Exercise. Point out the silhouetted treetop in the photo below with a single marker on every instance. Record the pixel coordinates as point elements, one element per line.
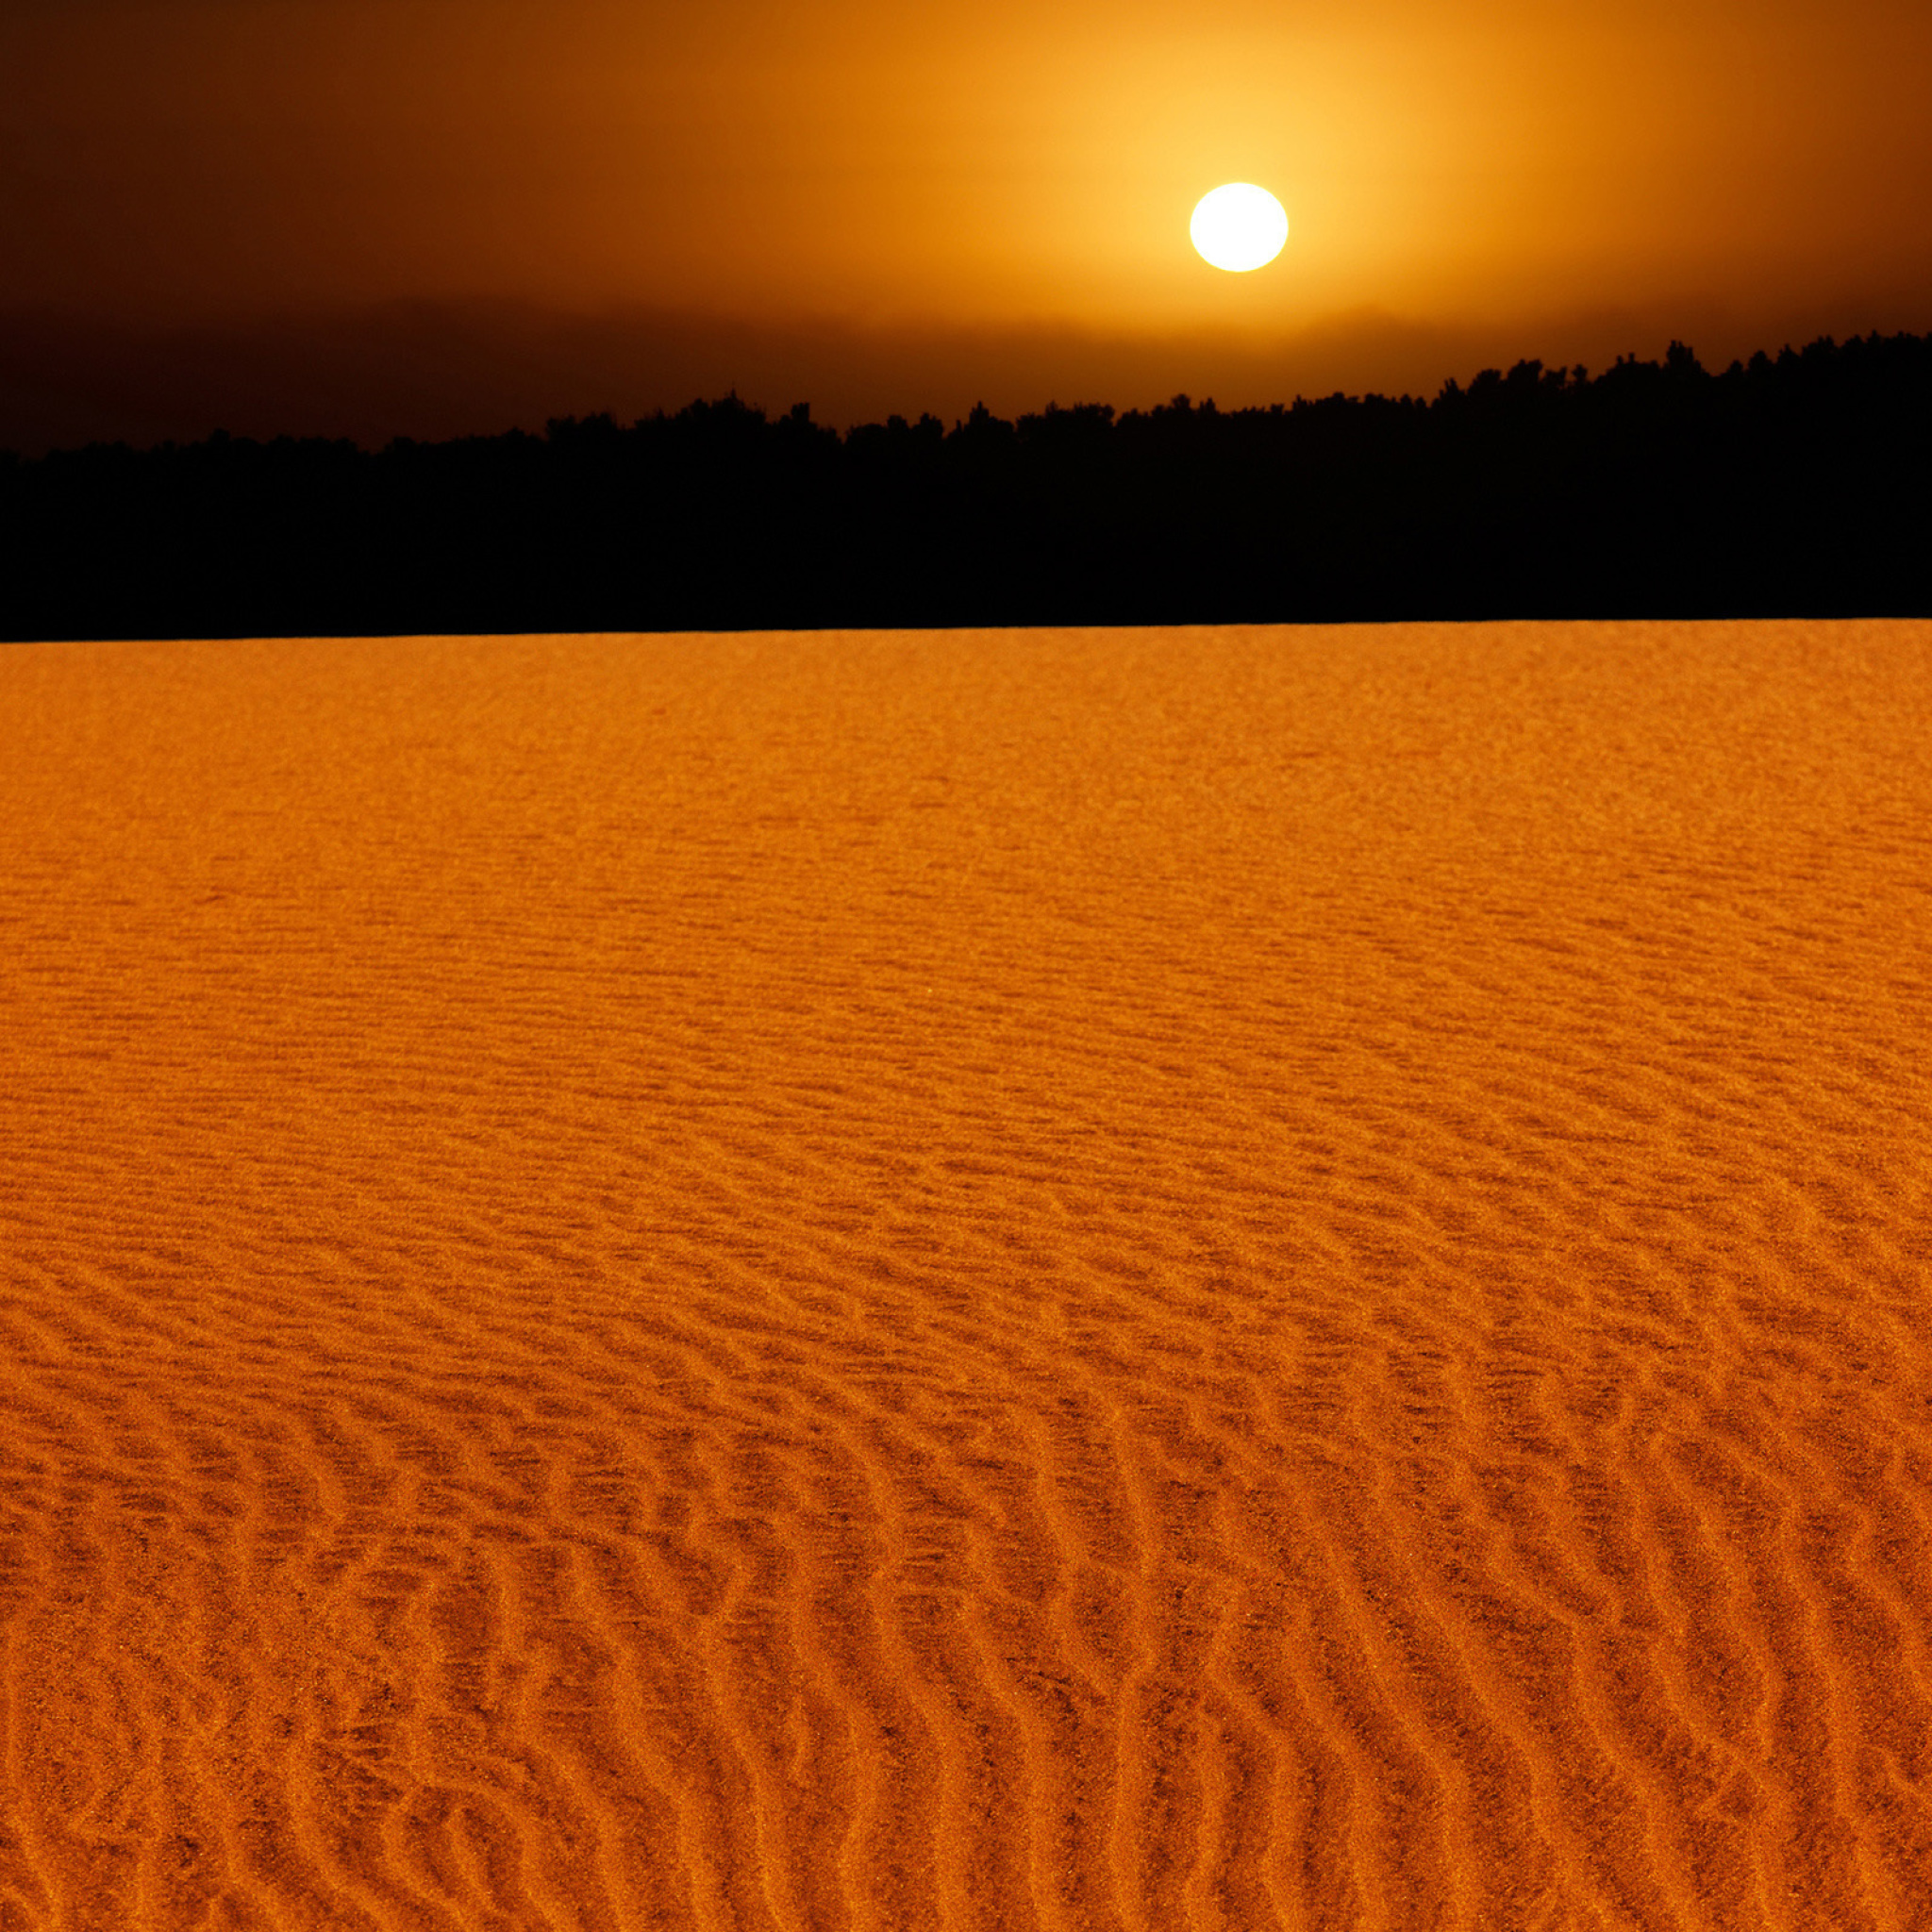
<point>1791,483</point>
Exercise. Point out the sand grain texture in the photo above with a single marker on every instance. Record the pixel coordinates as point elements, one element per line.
<point>1101,1282</point>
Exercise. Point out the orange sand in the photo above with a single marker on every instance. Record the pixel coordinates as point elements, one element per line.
<point>1089,1281</point>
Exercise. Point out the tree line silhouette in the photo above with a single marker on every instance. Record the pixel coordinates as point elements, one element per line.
<point>1793,485</point>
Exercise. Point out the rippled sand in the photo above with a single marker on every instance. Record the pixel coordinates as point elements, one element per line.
<point>1103,1282</point>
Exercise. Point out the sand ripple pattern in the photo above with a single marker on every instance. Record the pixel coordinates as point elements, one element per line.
<point>1152,1281</point>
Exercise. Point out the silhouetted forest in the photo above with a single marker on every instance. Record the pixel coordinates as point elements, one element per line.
<point>1800,483</point>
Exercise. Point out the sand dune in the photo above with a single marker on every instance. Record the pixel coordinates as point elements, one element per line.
<point>1101,1282</point>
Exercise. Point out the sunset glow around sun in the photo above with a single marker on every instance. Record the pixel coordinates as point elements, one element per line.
<point>882,208</point>
<point>1239,228</point>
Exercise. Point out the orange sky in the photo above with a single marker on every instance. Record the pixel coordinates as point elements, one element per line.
<point>1534,177</point>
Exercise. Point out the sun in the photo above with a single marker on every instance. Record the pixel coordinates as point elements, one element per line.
<point>1239,228</point>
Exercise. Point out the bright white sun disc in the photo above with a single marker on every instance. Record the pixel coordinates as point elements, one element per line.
<point>1239,226</point>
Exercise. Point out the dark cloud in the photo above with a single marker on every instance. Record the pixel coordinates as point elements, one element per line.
<point>436,371</point>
